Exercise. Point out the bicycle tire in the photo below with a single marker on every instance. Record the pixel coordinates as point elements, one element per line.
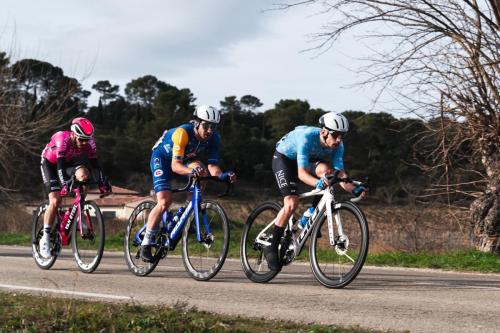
<point>130,249</point>
<point>329,263</point>
<point>251,253</point>
<point>88,245</point>
<point>36,234</point>
<point>195,255</point>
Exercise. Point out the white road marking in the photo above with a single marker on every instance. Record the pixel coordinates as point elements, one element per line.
<point>66,292</point>
<point>454,285</point>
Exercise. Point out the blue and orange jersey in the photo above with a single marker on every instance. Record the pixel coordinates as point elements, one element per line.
<point>303,145</point>
<point>180,144</point>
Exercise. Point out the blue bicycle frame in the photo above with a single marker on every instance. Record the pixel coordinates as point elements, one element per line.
<point>175,234</point>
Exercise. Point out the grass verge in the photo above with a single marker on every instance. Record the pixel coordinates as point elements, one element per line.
<point>23,313</point>
<point>471,260</point>
<point>458,261</point>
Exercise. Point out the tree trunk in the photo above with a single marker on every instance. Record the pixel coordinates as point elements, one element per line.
<point>485,210</point>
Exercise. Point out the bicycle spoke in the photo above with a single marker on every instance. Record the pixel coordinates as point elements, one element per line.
<point>204,258</point>
<point>254,237</point>
<point>88,238</point>
<point>36,235</point>
<point>337,266</point>
<point>137,220</point>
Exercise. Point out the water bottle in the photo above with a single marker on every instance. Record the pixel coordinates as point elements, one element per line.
<point>305,218</point>
<point>175,219</point>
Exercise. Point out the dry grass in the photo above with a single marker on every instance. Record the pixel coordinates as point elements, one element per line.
<point>15,219</point>
<point>398,228</point>
<point>392,228</point>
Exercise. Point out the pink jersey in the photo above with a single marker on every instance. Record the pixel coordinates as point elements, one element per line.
<point>60,145</point>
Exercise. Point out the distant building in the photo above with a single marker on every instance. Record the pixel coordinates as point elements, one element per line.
<point>119,204</point>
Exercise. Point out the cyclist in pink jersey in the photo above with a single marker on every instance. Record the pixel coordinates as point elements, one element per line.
<point>74,151</point>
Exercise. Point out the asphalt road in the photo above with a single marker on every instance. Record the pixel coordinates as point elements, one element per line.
<point>380,298</point>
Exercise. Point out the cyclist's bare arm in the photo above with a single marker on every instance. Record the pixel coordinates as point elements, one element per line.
<point>180,168</point>
<point>306,177</point>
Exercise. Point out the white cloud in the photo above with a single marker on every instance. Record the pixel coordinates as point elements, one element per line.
<point>216,48</point>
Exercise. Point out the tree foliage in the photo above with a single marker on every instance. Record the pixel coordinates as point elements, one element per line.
<point>128,125</point>
<point>443,65</point>
<point>36,98</point>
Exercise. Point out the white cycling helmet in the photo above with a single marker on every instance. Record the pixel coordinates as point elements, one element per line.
<point>207,113</point>
<point>334,122</point>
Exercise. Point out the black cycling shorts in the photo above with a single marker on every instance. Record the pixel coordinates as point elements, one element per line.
<point>286,173</point>
<point>49,172</point>
<point>49,176</point>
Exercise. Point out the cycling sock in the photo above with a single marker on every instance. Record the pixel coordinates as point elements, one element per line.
<point>277,234</point>
<point>148,237</point>
<point>46,231</point>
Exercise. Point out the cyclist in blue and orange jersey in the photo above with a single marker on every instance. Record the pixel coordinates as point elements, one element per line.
<point>67,149</point>
<point>300,155</point>
<point>176,152</point>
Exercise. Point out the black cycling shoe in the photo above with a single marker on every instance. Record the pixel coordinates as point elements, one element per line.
<point>146,255</point>
<point>272,258</point>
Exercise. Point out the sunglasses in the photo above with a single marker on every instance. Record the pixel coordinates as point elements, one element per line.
<point>82,140</point>
<point>206,126</point>
<point>336,135</point>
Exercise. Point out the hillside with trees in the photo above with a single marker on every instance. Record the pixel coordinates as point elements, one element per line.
<point>37,99</point>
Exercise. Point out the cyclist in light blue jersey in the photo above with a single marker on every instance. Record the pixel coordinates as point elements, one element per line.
<point>301,155</point>
<point>303,144</point>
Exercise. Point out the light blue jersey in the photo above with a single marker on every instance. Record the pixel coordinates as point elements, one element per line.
<point>303,145</point>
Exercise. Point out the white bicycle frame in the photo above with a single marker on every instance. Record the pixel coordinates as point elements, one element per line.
<point>327,199</point>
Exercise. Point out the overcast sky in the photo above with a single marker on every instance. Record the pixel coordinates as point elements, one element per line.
<point>216,48</point>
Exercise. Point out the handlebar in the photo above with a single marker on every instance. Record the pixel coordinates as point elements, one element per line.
<point>334,179</point>
<point>192,180</point>
<point>74,183</point>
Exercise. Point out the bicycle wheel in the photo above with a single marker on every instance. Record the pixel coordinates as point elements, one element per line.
<point>132,245</point>
<point>36,235</point>
<point>204,259</point>
<point>251,249</point>
<point>338,265</point>
<point>88,243</point>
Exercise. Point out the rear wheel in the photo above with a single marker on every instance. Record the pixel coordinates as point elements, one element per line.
<point>335,266</point>
<point>36,235</point>
<point>133,238</point>
<point>204,259</point>
<point>257,233</point>
<point>88,237</point>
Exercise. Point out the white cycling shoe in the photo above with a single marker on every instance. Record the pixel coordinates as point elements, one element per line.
<point>44,248</point>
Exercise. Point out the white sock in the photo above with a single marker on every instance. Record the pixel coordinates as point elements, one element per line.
<point>46,231</point>
<point>148,237</point>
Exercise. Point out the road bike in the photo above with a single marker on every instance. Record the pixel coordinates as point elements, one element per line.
<point>81,225</point>
<point>205,234</point>
<point>338,234</point>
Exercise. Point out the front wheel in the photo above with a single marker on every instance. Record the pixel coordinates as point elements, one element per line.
<point>203,259</point>
<point>133,238</point>
<point>257,233</point>
<point>88,237</point>
<point>36,235</point>
<point>337,265</point>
